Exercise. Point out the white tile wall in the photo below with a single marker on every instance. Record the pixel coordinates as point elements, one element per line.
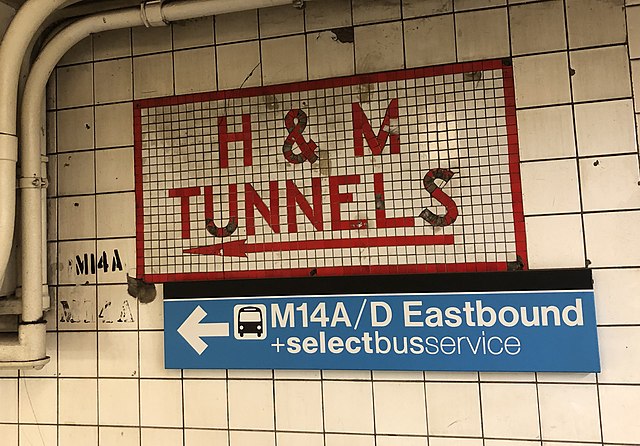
<point>106,384</point>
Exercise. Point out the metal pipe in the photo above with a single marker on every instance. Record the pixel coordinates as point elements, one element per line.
<point>150,13</point>
<point>27,348</point>
<point>21,31</point>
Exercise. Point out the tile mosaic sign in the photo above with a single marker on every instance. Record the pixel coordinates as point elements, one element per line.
<point>407,171</point>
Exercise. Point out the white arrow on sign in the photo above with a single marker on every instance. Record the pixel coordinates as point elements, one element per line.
<point>193,331</point>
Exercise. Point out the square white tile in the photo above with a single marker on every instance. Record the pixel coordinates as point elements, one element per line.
<point>74,129</point>
<point>251,404</point>
<point>600,73</point>
<point>76,173</point>
<point>280,21</point>
<point>38,400</point>
<point>193,33</point>
<point>328,57</point>
<point>76,308</point>
<point>151,40</point>
<point>379,47</point>
<point>569,412</point>
<point>592,23</point>
<point>116,215</point>
<point>555,241</point>
<point>75,86</point>
<point>619,355</point>
<point>195,70</point>
<point>152,356</point>
<point>550,187</point>
<point>78,401</point>
<point>482,34</point>
<point>299,406</point>
<point>283,60</point>
<point>114,125</point>
<point>550,70</point>
<point>328,14</point>
<point>459,419</point>
<point>239,65</point>
<point>77,354</point>
<point>620,406</point>
<point>616,291</point>
<point>605,127</point>
<point>113,81</point>
<point>430,41</point>
<point>118,354</point>
<point>348,406</point>
<point>368,12</point>
<point>205,403</point>
<point>510,411</point>
<point>537,27</point>
<point>611,238</point>
<point>77,217</point>
<point>118,402</point>
<point>610,182</point>
<point>112,44</point>
<point>400,408</point>
<point>161,403</point>
<point>119,436</point>
<point>153,76</point>
<point>237,26</point>
<point>546,132</point>
<point>115,170</point>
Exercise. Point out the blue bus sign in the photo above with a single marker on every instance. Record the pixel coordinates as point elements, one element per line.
<point>508,331</point>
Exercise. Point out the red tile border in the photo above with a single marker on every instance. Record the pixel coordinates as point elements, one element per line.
<point>514,172</point>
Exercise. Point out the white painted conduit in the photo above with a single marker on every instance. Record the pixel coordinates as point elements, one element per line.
<point>28,349</point>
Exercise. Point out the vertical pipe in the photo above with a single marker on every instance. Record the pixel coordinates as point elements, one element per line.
<point>19,35</point>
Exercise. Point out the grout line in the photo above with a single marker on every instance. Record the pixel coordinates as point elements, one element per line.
<point>575,134</point>
<point>95,207</point>
<point>635,100</point>
<point>579,181</point>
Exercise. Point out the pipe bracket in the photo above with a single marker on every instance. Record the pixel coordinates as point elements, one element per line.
<point>151,13</point>
<point>8,147</point>
<point>33,183</point>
